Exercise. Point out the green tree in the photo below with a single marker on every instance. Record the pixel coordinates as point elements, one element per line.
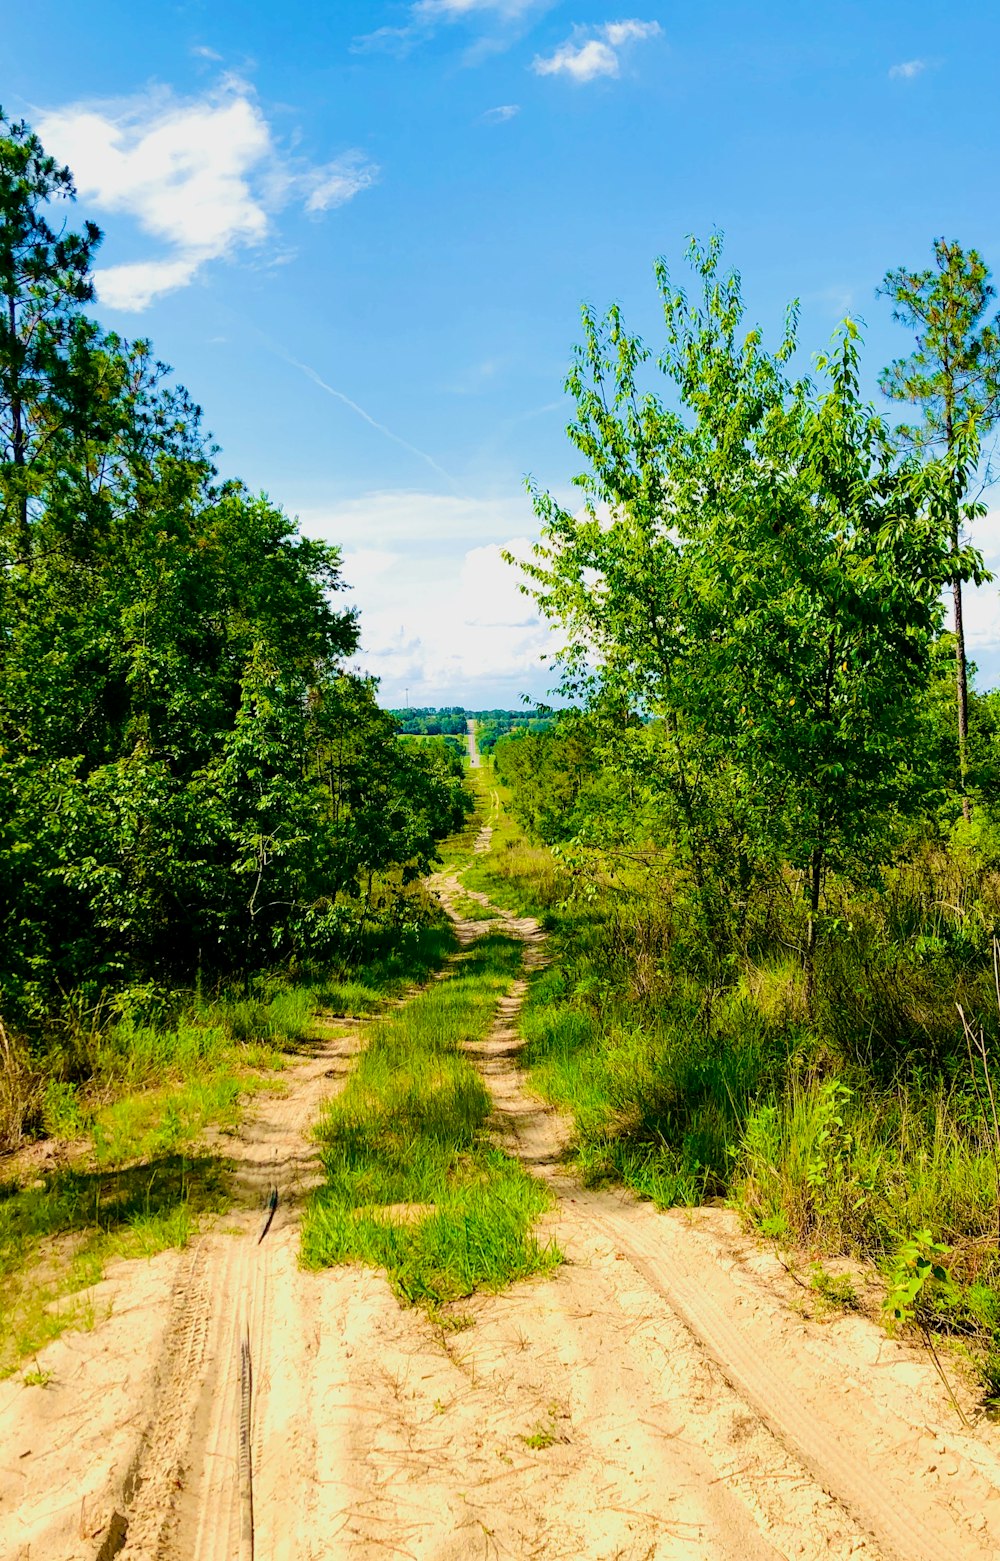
<point>954,376</point>
<point>173,694</point>
<point>755,569</point>
<point>44,339</point>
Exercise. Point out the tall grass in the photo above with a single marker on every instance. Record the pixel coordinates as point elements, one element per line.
<point>414,1183</point>
<point>855,1128</point>
<point>20,1089</point>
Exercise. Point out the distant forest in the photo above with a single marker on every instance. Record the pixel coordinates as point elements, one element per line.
<point>451,721</point>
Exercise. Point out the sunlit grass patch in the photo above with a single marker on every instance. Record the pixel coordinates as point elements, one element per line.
<point>414,1183</point>
<point>519,875</point>
<point>150,1123</point>
<point>56,1237</point>
<point>354,992</point>
<point>472,910</point>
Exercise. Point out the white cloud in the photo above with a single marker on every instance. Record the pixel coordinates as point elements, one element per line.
<point>500,114</point>
<point>425,15</point>
<point>134,287</point>
<point>465,634</point>
<point>584,57</point>
<point>203,177</point>
<point>441,613</point>
<point>583,61</point>
<point>338,182</point>
<point>907,70</point>
<point>364,565</point>
<point>618,33</point>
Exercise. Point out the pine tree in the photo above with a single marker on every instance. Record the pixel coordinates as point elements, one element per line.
<point>44,281</point>
<point>954,376</point>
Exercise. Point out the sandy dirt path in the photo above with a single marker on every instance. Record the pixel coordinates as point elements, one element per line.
<point>133,1446</point>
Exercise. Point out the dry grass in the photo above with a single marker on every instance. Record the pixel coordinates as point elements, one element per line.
<point>20,1090</point>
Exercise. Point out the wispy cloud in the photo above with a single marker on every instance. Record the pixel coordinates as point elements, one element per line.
<point>359,411</point>
<point>594,52</point>
<point>388,40</point>
<point>458,10</point>
<point>500,114</point>
<point>618,33</point>
<point>907,70</point>
<point>504,17</point>
<point>202,177</point>
<point>336,183</point>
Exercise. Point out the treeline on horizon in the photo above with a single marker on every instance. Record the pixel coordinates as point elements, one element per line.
<point>775,811</point>
<point>450,722</point>
<point>193,785</point>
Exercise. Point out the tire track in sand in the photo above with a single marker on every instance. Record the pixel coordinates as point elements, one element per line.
<point>186,1473</point>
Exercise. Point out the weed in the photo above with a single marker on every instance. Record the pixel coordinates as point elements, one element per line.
<point>917,1276</point>
<point>20,1089</point>
<point>548,1433</point>
<point>37,1377</point>
<point>455,1322</point>
<point>62,1113</point>
<point>837,1290</point>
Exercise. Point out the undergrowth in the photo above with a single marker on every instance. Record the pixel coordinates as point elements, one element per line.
<point>858,1131</point>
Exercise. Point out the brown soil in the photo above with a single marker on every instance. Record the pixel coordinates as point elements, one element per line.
<point>658,1398</point>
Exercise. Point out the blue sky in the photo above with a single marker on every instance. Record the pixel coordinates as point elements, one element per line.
<point>362,233</point>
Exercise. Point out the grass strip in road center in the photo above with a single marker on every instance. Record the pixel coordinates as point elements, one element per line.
<point>414,1183</point>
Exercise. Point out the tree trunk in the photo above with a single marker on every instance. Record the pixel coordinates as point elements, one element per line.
<point>961,670</point>
<point>814,881</point>
<point>962,690</point>
<point>18,440</point>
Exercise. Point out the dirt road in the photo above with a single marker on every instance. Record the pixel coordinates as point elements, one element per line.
<point>658,1398</point>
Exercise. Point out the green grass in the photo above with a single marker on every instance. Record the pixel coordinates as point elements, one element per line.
<point>414,1183</point>
<point>517,875</point>
<point>456,851</point>
<point>471,910</point>
<point>56,1238</point>
<point>385,974</point>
